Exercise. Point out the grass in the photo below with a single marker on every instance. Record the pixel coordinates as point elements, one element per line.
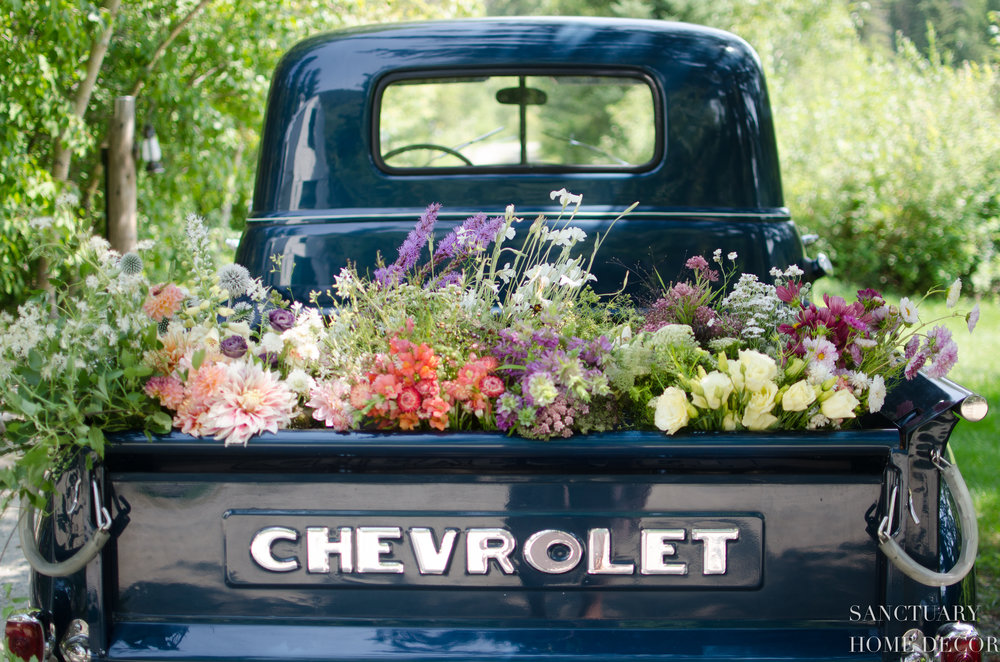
<point>977,451</point>
<point>976,445</point>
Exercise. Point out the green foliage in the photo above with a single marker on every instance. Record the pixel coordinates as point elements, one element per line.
<point>71,366</point>
<point>895,160</point>
<point>892,156</point>
<point>200,73</point>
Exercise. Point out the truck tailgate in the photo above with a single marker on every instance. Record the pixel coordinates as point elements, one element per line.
<point>311,545</point>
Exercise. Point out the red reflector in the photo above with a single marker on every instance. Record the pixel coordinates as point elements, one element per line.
<point>25,637</point>
<point>962,649</point>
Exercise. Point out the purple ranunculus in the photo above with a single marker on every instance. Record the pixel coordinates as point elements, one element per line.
<point>281,319</point>
<point>233,346</point>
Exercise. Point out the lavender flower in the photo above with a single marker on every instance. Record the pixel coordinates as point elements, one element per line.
<point>474,235</point>
<point>233,346</point>
<point>409,250</point>
<point>281,319</point>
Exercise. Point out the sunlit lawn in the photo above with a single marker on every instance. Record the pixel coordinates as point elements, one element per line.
<point>977,450</point>
<point>975,445</point>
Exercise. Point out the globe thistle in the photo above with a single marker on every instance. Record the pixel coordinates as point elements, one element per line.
<point>235,279</point>
<point>242,311</point>
<point>131,264</point>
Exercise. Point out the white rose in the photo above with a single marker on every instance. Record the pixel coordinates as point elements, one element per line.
<point>716,387</point>
<point>799,396</point>
<point>839,405</point>
<point>752,370</point>
<point>671,410</point>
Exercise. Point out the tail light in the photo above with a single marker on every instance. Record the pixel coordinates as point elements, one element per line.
<point>959,642</point>
<point>25,637</point>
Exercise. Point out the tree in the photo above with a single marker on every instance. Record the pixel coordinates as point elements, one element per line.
<point>200,71</point>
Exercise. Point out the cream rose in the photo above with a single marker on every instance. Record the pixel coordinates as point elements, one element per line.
<point>239,329</point>
<point>716,387</point>
<point>799,396</point>
<point>839,405</point>
<point>752,370</point>
<point>757,415</point>
<point>671,410</point>
<point>757,421</point>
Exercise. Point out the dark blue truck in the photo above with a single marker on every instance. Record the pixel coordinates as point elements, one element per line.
<point>314,545</point>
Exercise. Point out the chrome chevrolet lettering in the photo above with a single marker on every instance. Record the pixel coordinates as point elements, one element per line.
<point>378,549</point>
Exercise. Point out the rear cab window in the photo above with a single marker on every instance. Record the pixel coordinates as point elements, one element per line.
<point>557,121</point>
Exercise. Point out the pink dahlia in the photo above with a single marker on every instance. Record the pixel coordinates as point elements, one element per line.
<point>168,390</point>
<point>253,401</point>
<point>163,301</point>
<point>330,402</point>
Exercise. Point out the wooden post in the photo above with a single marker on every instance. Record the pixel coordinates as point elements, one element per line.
<point>121,185</point>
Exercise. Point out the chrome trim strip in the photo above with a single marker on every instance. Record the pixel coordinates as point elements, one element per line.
<point>531,212</point>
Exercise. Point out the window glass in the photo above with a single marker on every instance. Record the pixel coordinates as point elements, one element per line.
<point>537,121</point>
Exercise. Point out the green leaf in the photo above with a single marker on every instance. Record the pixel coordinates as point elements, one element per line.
<point>34,360</point>
<point>95,438</point>
<point>140,370</point>
<point>197,359</point>
<point>161,422</point>
<point>23,405</point>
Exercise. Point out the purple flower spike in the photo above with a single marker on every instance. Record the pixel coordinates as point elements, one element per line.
<point>233,346</point>
<point>281,319</point>
<point>409,251</point>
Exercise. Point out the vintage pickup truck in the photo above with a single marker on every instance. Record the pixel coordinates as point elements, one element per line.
<point>314,545</point>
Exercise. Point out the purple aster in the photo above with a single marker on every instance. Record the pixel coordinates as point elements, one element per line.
<point>915,364</point>
<point>233,346</point>
<point>281,319</point>
<point>972,318</point>
<point>944,351</point>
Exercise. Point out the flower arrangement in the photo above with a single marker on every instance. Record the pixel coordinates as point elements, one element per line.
<point>472,332</point>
